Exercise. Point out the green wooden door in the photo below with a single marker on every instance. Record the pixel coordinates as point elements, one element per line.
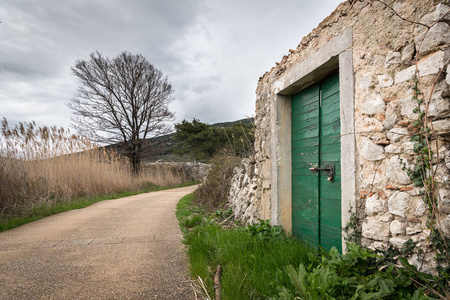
<point>316,201</point>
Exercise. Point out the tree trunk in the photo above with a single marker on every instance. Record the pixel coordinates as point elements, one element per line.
<point>134,153</point>
<point>135,159</point>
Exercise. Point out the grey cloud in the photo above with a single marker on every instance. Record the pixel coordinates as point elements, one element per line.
<point>213,51</point>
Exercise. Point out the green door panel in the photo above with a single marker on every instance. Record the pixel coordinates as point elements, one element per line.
<point>316,201</point>
<point>308,228</point>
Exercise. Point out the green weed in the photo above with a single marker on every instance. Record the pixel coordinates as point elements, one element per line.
<point>193,221</point>
<point>263,230</point>
<point>359,274</point>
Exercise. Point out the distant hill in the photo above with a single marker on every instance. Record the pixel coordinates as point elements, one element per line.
<point>161,148</point>
<point>233,123</point>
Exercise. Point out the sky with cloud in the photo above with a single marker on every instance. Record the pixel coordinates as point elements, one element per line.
<point>213,51</point>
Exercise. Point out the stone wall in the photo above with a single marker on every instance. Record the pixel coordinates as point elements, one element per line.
<point>242,198</point>
<point>184,172</point>
<point>386,51</point>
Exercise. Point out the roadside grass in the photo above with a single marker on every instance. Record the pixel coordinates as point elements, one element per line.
<point>253,265</point>
<point>45,210</point>
<point>188,213</point>
<point>260,262</point>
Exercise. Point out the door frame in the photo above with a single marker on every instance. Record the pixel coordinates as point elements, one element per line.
<point>337,54</point>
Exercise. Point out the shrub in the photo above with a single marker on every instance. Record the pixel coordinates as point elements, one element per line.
<point>212,195</point>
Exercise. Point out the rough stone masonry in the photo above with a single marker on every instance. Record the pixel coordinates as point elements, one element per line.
<point>381,52</point>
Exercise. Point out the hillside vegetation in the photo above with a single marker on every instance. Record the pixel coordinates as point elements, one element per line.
<point>199,143</point>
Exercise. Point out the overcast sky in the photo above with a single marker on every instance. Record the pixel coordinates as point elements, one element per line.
<point>213,51</point>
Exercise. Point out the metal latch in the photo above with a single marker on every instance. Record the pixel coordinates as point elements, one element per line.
<point>329,170</point>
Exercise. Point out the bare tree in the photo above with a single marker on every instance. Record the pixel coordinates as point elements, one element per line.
<point>122,100</point>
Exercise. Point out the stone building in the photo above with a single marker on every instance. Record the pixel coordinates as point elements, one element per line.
<point>334,121</point>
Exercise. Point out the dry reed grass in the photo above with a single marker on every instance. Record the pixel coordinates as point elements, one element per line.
<point>49,165</point>
<point>165,175</point>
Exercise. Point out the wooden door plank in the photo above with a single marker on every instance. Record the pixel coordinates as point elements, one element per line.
<point>316,141</point>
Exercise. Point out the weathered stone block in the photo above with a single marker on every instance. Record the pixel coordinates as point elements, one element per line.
<point>433,63</point>
<point>396,241</point>
<point>398,204</point>
<point>369,124</point>
<point>408,147</point>
<point>405,74</point>
<point>439,14</point>
<point>421,208</point>
<point>387,217</point>
<point>373,229</point>
<point>385,80</point>
<point>440,103</point>
<point>442,152</point>
<point>407,106</point>
<point>397,227</point>
<point>373,104</point>
<point>442,126</point>
<point>438,35</point>
<point>429,65</point>
<point>393,149</point>
<point>408,52</point>
<point>365,82</point>
<point>397,134</point>
<point>393,57</point>
<point>411,231</point>
<point>379,245</point>
<point>447,159</point>
<point>391,115</point>
<point>374,205</point>
<point>395,170</point>
<point>444,204</point>
<point>441,175</point>
<point>371,151</point>
<point>429,266</point>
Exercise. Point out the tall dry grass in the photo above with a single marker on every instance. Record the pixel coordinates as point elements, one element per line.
<point>49,165</point>
<point>166,174</point>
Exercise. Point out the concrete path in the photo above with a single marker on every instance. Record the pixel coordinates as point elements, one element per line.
<point>129,248</point>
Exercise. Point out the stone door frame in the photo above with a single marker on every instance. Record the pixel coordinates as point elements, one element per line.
<point>336,54</point>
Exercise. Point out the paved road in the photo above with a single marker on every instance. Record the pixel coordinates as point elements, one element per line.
<point>128,248</point>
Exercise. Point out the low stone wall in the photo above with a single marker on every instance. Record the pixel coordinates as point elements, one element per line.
<point>180,172</point>
<point>242,198</point>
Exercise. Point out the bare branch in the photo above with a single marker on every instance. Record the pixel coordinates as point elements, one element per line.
<point>121,100</point>
<point>406,20</point>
